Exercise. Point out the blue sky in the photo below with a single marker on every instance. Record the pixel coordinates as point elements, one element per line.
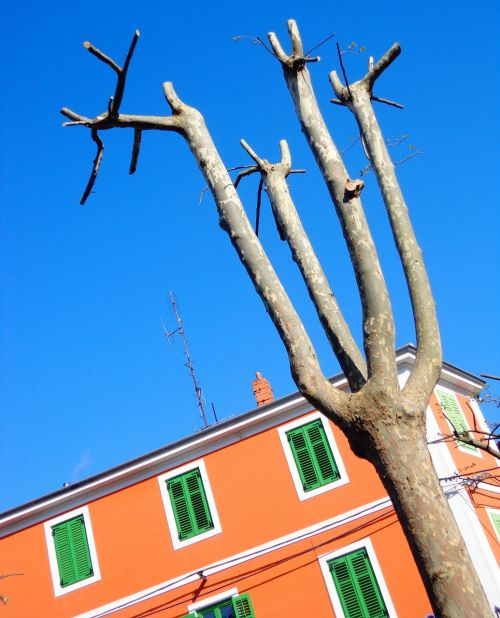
<point>88,379</point>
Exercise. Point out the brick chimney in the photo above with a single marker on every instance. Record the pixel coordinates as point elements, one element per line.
<point>262,390</point>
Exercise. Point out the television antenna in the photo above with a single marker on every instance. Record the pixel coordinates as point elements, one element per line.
<point>189,364</point>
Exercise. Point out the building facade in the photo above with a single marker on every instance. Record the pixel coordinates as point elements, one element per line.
<point>266,514</point>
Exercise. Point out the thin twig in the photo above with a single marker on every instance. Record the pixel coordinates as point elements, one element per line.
<point>354,141</point>
<point>122,75</point>
<point>69,113</point>
<point>250,170</point>
<point>321,43</point>
<point>99,54</point>
<point>387,102</point>
<point>95,167</point>
<point>202,193</point>
<point>135,151</point>
<point>256,39</point>
<point>413,154</point>
<point>343,70</point>
<point>259,200</point>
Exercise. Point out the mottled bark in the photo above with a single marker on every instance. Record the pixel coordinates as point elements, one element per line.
<point>384,424</point>
<point>378,325</point>
<point>401,457</point>
<point>329,313</point>
<point>358,99</point>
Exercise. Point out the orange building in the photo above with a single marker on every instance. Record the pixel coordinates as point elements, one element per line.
<point>266,514</point>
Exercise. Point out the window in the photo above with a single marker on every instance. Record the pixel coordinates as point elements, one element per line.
<point>495,519</point>
<point>355,582</point>
<point>71,549</point>
<point>238,606</point>
<point>312,456</point>
<point>357,585</point>
<point>189,504</point>
<point>455,416</point>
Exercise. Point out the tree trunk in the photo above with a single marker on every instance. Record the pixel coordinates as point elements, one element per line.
<point>401,457</point>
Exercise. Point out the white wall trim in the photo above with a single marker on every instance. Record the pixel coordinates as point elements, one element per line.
<point>489,487</point>
<point>217,598</point>
<point>172,526</point>
<point>51,550</point>
<point>330,584</point>
<point>245,556</point>
<point>294,473</point>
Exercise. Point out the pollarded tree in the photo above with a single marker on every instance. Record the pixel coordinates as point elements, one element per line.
<point>384,423</point>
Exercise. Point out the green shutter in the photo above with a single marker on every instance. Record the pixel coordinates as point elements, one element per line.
<point>357,586</point>
<point>495,518</point>
<point>325,463</point>
<point>313,455</point>
<point>72,551</point>
<point>190,505</point>
<point>455,415</point>
<point>242,606</point>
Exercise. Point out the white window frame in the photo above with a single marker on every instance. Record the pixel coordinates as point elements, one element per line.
<point>298,422</point>
<point>496,512</point>
<point>330,584</point>
<point>169,511</point>
<point>51,549</point>
<point>458,444</point>
<point>217,598</point>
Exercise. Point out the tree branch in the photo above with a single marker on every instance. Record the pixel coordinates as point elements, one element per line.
<point>378,323</point>
<point>121,73</point>
<point>426,370</point>
<point>376,70</point>
<point>232,218</point>
<point>135,150</point>
<point>190,124</point>
<point>288,221</point>
<point>95,166</point>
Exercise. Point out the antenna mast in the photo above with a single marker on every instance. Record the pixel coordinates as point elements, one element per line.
<point>189,364</point>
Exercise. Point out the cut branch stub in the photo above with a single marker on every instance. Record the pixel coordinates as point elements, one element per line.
<point>297,59</point>
<point>354,187</point>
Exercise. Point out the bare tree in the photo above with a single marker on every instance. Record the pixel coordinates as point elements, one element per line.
<point>384,423</point>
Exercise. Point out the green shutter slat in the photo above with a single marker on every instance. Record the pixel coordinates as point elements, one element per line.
<point>243,606</point>
<point>324,458</point>
<point>64,556</point>
<point>455,415</point>
<point>190,505</point>
<point>357,586</point>
<point>303,459</point>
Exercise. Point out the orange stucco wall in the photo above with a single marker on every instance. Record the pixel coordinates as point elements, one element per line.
<point>257,503</point>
